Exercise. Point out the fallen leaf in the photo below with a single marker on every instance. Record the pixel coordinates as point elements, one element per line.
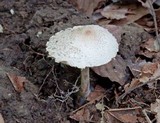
<point>96,95</point>
<point>1,118</point>
<point>146,71</point>
<point>135,82</point>
<point>82,115</point>
<point>87,6</point>
<point>17,81</point>
<point>149,68</point>
<point>155,107</point>
<point>143,69</point>
<point>102,22</point>
<point>125,115</point>
<point>147,23</point>
<point>114,12</point>
<point>135,68</point>
<point>147,54</point>
<point>137,13</point>
<point>149,45</point>
<point>114,70</point>
<point>156,73</point>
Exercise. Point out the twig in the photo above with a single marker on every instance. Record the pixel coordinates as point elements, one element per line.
<point>45,80</point>
<point>154,16</point>
<point>152,12</point>
<point>65,95</point>
<point>124,109</point>
<point>146,116</point>
<point>148,4</point>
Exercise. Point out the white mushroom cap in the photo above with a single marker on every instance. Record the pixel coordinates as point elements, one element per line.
<point>83,46</point>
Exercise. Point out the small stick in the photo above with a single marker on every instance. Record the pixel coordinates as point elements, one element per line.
<point>151,9</point>
<point>146,116</point>
<point>45,80</point>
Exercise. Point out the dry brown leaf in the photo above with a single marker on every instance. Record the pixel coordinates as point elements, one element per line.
<point>17,81</point>
<point>1,118</point>
<point>145,22</point>
<point>125,115</point>
<point>102,22</point>
<point>149,45</point>
<point>156,73</point>
<point>146,72</point>
<point>138,12</point>
<point>155,107</point>
<point>143,69</point>
<point>87,6</point>
<point>135,82</point>
<point>147,54</point>
<point>149,68</point>
<point>97,94</point>
<point>114,12</point>
<point>135,68</point>
<point>82,115</point>
<point>114,70</point>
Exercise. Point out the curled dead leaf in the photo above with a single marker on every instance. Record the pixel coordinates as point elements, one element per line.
<point>114,12</point>
<point>125,115</point>
<point>150,45</point>
<point>134,13</point>
<point>114,70</point>
<point>132,84</point>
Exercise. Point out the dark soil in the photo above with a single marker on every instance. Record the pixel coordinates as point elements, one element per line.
<point>23,53</point>
<point>23,50</point>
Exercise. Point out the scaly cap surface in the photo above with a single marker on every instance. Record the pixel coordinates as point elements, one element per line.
<point>83,46</point>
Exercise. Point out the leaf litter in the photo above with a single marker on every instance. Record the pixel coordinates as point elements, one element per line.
<point>131,73</point>
<point>143,72</point>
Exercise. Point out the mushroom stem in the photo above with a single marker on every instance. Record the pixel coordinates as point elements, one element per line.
<point>85,82</point>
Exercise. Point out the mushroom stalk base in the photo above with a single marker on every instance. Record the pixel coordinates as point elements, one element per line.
<point>85,83</point>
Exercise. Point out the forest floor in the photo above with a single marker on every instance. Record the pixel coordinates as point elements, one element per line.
<point>35,89</point>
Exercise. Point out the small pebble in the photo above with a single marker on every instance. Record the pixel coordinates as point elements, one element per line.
<point>1,28</point>
<point>39,33</point>
<point>12,11</point>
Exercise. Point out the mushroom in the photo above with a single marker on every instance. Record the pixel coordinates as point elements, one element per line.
<point>83,47</point>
